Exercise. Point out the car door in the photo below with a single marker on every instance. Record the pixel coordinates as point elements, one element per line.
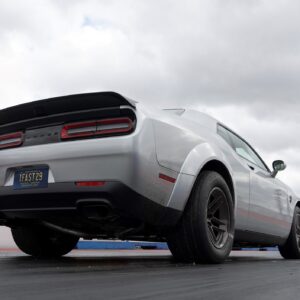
<point>268,206</point>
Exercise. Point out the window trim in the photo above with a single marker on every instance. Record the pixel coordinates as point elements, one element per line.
<point>242,139</point>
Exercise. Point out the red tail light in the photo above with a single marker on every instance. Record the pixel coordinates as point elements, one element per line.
<point>81,129</point>
<point>119,125</point>
<point>11,140</point>
<point>96,128</point>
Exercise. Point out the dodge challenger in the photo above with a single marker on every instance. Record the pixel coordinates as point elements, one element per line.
<point>102,166</point>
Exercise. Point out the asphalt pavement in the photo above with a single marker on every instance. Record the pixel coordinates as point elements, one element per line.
<point>144,274</point>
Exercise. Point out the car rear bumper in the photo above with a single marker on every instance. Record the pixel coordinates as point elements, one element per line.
<point>68,200</point>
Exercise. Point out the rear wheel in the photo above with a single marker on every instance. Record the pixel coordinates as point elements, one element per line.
<point>291,249</point>
<point>42,242</point>
<point>205,232</point>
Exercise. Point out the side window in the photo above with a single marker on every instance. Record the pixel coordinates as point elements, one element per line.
<point>241,147</point>
<point>245,151</point>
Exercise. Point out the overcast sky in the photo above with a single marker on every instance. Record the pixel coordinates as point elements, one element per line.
<point>238,60</point>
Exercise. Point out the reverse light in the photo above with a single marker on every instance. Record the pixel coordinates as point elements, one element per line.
<point>11,140</point>
<point>96,128</point>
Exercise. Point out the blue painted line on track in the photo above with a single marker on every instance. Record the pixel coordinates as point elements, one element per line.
<point>120,245</point>
<point>260,249</point>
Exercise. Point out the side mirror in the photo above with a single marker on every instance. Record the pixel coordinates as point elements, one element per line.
<point>278,165</point>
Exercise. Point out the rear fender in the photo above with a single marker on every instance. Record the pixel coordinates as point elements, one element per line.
<point>194,163</point>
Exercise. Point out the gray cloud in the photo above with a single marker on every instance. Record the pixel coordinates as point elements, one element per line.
<point>237,60</point>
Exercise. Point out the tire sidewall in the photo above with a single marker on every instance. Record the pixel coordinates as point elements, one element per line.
<point>207,183</point>
<point>295,245</point>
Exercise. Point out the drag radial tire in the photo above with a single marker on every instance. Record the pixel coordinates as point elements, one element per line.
<point>291,249</point>
<point>42,242</point>
<point>205,232</point>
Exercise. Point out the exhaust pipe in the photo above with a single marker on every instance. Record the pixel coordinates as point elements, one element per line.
<point>95,209</point>
<point>77,233</point>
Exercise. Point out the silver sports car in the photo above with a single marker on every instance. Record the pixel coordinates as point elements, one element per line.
<point>101,166</point>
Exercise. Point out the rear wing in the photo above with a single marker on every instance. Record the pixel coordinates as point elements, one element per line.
<point>53,110</point>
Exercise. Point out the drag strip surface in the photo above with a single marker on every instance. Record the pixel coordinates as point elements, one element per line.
<point>143,274</point>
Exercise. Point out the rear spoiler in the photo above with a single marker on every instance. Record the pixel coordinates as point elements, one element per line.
<point>31,112</point>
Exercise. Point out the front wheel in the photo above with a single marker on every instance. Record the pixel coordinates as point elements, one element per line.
<point>291,249</point>
<point>42,242</point>
<point>205,231</point>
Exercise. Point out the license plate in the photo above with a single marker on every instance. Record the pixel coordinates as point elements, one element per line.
<point>30,178</point>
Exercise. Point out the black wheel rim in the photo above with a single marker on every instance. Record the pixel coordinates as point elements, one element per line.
<point>218,218</point>
<point>298,229</point>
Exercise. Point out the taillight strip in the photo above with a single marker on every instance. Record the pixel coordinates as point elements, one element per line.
<point>80,129</point>
<point>95,128</point>
<point>11,140</point>
<point>118,125</point>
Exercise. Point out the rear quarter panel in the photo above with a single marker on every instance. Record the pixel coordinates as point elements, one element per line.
<point>185,147</point>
